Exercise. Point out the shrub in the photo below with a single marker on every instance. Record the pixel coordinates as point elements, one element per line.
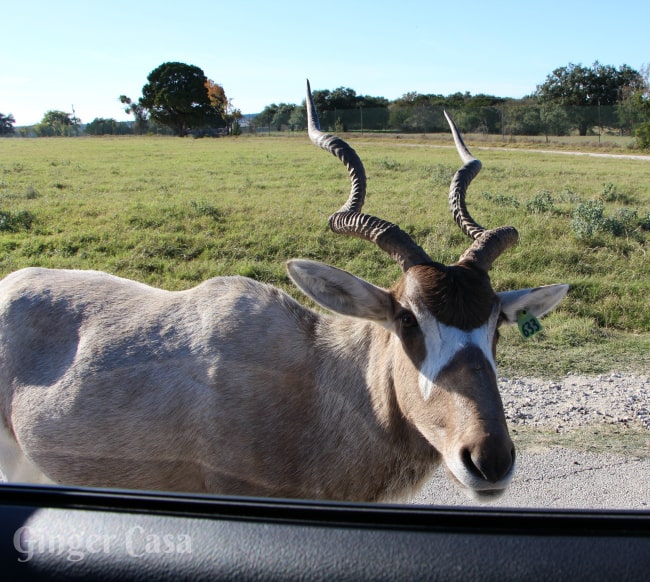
<point>31,193</point>
<point>587,219</point>
<point>540,203</point>
<point>568,195</point>
<point>15,221</point>
<point>644,223</point>
<point>642,135</point>
<point>611,194</point>
<point>628,219</point>
<point>203,208</point>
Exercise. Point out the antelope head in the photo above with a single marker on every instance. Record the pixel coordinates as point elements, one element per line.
<point>444,321</point>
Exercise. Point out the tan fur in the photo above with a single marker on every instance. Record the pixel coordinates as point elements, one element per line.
<point>232,387</point>
<point>106,382</point>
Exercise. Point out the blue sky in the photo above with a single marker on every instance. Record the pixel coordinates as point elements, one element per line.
<point>57,54</point>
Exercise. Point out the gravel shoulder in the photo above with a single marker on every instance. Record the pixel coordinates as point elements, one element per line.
<point>576,401</point>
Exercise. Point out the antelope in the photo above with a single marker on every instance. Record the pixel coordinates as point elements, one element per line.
<point>234,388</point>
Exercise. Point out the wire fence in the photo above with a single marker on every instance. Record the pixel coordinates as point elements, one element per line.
<point>504,119</point>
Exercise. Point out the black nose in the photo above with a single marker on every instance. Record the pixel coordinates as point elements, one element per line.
<point>489,460</point>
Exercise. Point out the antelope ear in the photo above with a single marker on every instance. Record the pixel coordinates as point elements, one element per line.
<point>339,291</point>
<point>537,301</point>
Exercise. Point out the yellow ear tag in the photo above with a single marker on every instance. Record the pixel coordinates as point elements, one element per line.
<point>528,324</point>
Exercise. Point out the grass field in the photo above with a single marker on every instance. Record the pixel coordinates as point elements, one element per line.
<point>171,212</point>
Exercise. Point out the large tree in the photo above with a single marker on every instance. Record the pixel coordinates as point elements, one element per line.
<point>588,93</point>
<point>177,96</point>
<point>56,123</point>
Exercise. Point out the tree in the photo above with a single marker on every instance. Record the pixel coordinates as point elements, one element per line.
<point>140,114</point>
<point>634,109</point>
<point>520,118</point>
<point>56,123</point>
<point>217,96</point>
<point>589,93</point>
<point>102,126</point>
<point>341,109</point>
<point>298,119</point>
<point>176,96</point>
<point>417,112</point>
<point>282,116</point>
<point>342,98</point>
<point>277,117</point>
<point>265,118</point>
<point>229,115</point>
<point>6,124</point>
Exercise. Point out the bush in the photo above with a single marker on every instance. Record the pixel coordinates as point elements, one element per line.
<point>540,203</point>
<point>611,194</point>
<point>644,223</point>
<point>15,221</point>
<point>628,219</point>
<point>203,208</point>
<point>642,135</point>
<point>589,219</point>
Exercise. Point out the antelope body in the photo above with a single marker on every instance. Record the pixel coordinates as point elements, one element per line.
<point>232,387</point>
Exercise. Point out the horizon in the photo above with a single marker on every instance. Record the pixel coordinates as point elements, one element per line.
<point>87,54</point>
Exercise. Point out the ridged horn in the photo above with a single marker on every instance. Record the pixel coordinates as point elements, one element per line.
<point>488,244</point>
<point>349,220</point>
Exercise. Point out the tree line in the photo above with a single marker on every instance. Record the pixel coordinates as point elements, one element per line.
<point>574,98</point>
<point>179,99</point>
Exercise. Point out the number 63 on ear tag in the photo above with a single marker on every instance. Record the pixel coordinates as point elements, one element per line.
<point>528,324</point>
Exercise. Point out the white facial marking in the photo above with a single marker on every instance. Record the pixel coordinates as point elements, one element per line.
<point>443,342</point>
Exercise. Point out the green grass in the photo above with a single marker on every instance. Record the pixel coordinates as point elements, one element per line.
<point>172,212</point>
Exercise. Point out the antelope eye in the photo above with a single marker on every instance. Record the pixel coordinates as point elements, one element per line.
<point>407,319</point>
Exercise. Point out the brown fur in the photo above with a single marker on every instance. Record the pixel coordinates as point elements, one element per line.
<point>459,295</point>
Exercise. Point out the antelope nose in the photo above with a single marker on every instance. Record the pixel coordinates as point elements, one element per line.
<point>489,459</point>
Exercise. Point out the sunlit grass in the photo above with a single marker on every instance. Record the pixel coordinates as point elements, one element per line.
<point>171,212</point>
